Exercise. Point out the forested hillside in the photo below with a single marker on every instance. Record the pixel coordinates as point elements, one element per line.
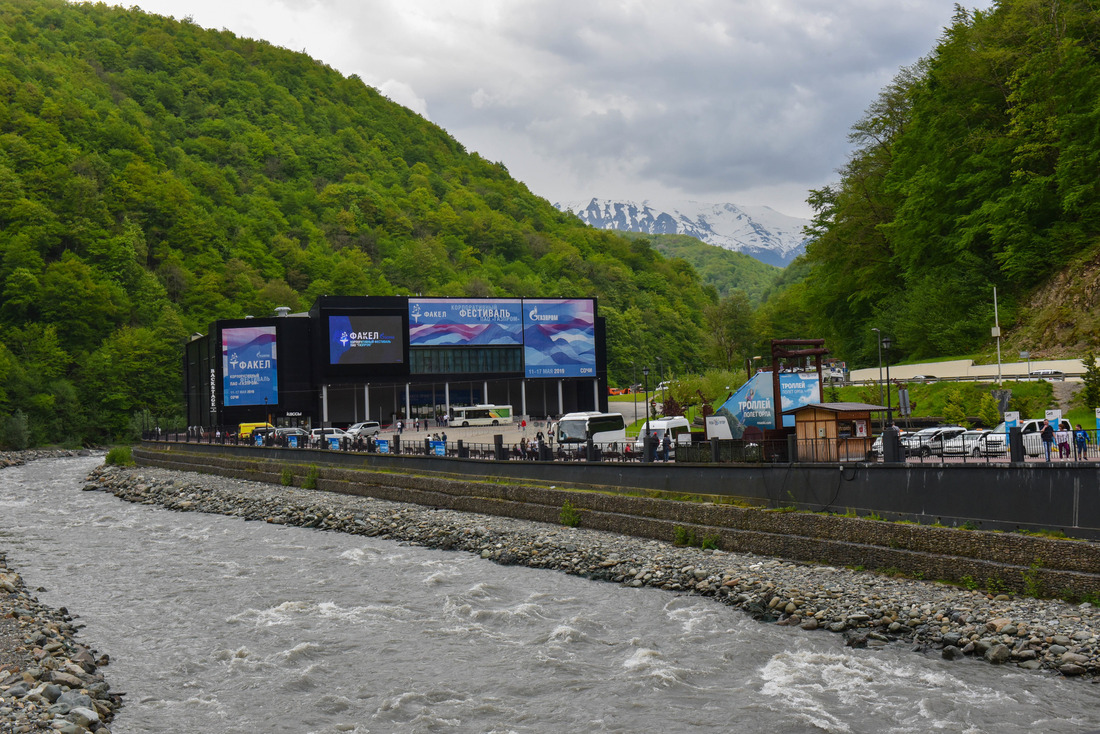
<point>724,270</point>
<point>156,176</point>
<point>975,168</point>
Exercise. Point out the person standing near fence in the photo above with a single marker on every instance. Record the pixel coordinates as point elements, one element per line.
<point>1082,438</point>
<point>1047,435</point>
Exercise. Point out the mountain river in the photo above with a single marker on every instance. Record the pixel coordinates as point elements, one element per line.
<point>215,624</point>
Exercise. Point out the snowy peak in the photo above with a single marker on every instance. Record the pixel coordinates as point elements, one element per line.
<point>758,231</point>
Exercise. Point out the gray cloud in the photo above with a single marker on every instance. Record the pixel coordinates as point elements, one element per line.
<point>709,99</point>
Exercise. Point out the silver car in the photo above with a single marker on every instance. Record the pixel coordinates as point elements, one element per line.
<point>929,441</point>
<point>968,443</point>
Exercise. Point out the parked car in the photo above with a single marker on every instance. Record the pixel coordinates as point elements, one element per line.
<point>319,435</point>
<point>923,378</point>
<point>287,432</point>
<point>1047,375</point>
<point>364,429</point>
<point>997,441</point>
<point>876,446</point>
<point>968,443</point>
<point>929,441</point>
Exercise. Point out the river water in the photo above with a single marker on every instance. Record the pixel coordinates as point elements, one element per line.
<point>215,624</point>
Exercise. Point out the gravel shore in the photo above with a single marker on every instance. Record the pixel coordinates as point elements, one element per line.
<point>50,682</point>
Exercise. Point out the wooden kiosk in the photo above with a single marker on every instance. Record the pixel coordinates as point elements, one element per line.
<point>828,432</point>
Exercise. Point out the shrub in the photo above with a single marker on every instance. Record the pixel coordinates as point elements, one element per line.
<point>570,516</point>
<point>14,431</point>
<point>310,482</point>
<point>287,477</point>
<point>120,456</point>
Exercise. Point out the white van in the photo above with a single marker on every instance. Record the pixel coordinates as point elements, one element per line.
<point>677,425</point>
<point>364,429</point>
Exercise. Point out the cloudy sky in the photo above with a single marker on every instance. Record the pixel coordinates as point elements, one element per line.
<point>741,101</point>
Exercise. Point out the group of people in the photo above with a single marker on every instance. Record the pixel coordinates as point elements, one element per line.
<point>1061,439</point>
<point>529,449</point>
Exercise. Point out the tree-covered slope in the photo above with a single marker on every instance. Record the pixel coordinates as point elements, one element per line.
<point>724,270</point>
<point>976,168</point>
<point>156,176</point>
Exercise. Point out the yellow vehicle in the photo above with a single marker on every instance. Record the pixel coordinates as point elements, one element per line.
<point>245,429</point>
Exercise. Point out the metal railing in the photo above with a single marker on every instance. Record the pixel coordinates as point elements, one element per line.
<point>988,448</point>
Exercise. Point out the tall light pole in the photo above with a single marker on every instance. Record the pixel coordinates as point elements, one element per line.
<point>878,334</point>
<point>634,386</point>
<point>886,342</point>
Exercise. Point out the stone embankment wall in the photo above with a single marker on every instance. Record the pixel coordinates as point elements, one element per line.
<point>1004,561</point>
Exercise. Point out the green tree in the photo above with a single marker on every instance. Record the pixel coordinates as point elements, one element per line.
<point>730,323</point>
<point>1090,393</point>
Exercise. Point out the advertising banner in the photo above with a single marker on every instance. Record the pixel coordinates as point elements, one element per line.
<point>293,441</point>
<point>750,405</point>
<point>753,403</point>
<point>439,448</point>
<point>451,322</point>
<point>1012,419</point>
<point>334,443</point>
<point>798,389</point>
<point>249,366</point>
<point>559,337</point>
<point>383,445</point>
<point>366,339</point>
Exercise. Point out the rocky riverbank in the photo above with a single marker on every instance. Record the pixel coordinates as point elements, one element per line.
<point>868,609</point>
<point>48,680</point>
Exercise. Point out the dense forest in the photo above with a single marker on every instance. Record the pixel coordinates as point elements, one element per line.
<point>156,176</point>
<point>975,169</point>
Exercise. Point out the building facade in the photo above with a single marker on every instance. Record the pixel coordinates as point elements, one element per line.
<point>357,358</point>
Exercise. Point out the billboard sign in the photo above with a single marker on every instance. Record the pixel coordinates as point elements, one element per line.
<point>371,339</point>
<point>477,322</point>
<point>249,366</point>
<point>753,404</point>
<point>559,337</point>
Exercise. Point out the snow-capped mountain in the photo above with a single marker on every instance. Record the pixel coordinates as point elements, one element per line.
<point>759,231</point>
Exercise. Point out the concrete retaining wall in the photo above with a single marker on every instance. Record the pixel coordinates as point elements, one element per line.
<point>987,559</point>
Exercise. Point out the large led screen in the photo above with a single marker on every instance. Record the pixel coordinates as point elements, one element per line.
<point>435,322</point>
<point>249,367</point>
<point>559,337</point>
<point>366,340</point>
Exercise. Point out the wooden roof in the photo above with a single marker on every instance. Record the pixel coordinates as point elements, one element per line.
<point>840,408</point>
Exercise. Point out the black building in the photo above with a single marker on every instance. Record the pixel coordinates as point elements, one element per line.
<point>353,358</point>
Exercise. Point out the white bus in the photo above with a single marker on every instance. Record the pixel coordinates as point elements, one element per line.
<point>481,415</point>
<point>600,427</point>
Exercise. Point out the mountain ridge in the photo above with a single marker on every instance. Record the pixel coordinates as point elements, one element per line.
<point>759,231</point>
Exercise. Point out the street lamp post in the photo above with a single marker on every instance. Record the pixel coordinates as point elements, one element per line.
<point>887,343</point>
<point>634,386</point>
<point>878,335</point>
<point>645,434</point>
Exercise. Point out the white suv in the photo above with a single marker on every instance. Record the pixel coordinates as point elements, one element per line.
<point>929,441</point>
<point>364,429</point>
<point>997,440</point>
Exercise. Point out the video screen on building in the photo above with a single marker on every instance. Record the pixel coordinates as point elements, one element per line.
<point>559,337</point>
<point>250,373</point>
<point>372,339</point>
<point>437,322</point>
